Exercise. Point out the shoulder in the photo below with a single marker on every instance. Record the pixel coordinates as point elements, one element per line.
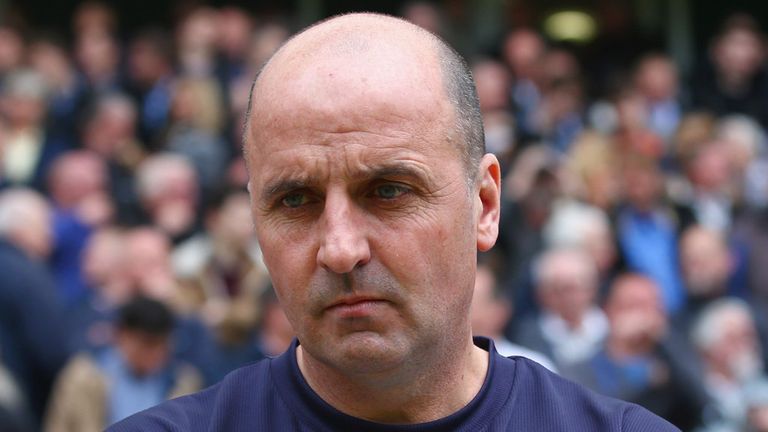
<point>233,397</point>
<point>547,398</point>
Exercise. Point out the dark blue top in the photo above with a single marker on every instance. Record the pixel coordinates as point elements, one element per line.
<point>272,395</point>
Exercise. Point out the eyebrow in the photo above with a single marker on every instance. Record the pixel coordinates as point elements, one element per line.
<point>397,170</point>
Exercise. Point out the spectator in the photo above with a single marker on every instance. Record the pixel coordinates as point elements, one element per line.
<point>150,71</point>
<point>570,327</point>
<point>79,190</point>
<point>11,49</point>
<point>639,362</point>
<point>582,226</point>
<point>49,57</point>
<point>221,272</point>
<point>647,230</point>
<point>33,341</point>
<point>493,86</point>
<point>105,272</point>
<point>169,194</point>
<point>97,389</point>
<point>523,50</point>
<point>736,81</point>
<point>747,151</point>
<point>110,132</point>
<point>726,339</point>
<point>490,312</point>
<point>29,148</point>
<point>195,128</point>
<point>196,43</point>
<point>98,57</point>
<point>656,80</point>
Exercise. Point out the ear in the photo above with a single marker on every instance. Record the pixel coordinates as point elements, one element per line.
<point>489,202</point>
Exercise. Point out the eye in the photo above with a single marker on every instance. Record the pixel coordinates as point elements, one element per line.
<point>295,200</point>
<point>389,191</point>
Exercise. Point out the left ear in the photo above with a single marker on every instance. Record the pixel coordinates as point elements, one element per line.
<point>488,199</point>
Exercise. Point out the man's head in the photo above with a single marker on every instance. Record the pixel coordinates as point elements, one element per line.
<point>566,283</point>
<point>75,177</point>
<point>635,312</point>
<point>705,262</point>
<point>725,335</point>
<point>370,191</point>
<point>25,221</point>
<point>142,335</point>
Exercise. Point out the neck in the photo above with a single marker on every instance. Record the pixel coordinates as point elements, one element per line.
<point>422,392</point>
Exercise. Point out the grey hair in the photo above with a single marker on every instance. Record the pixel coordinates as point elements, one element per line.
<point>708,328</point>
<point>16,205</point>
<point>151,175</point>
<point>459,86</point>
<point>544,266</point>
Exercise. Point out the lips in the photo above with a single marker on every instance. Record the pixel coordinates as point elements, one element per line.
<point>356,307</point>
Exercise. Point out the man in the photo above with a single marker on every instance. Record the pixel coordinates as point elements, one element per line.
<point>33,343</point>
<point>639,361</point>
<point>371,197</point>
<point>135,372</point>
<point>570,326</point>
<point>727,342</point>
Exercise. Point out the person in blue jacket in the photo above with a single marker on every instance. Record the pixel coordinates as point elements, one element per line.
<point>371,196</point>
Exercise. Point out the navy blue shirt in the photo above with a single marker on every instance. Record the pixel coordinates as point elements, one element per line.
<point>272,395</point>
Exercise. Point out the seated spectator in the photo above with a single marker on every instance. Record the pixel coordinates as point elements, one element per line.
<point>713,186</point>
<point>638,362</point>
<point>78,186</point>
<point>169,194</point>
<point>656,80</point>
<point>33,338</point>
<point>735,80</point>
<point>195,130</point>
<point>569,327</point>
<point>29,148</point>
<point>221,271</point>
<point>726,339</point>
<point>49,57</point>
<point>647,229</point>
<point>150,71</point>
<point>707,265</point>
<point>578,225</point>
<point>747,151</point>
<point>489,314</point>
<point>105,275</point>
<point>110,131</point>
<point>136,372</point>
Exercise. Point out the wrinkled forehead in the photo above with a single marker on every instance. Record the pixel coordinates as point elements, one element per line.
<point>345,71</point>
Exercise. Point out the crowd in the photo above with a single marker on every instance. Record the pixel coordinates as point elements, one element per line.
<point>633,249</point>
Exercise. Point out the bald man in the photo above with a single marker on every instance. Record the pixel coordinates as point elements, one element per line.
<point>371,194</point>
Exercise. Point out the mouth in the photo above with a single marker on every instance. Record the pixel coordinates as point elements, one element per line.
<point>356,307</point>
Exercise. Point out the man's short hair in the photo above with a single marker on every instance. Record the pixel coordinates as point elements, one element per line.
<point>459,87</point>
<point>146,316</point>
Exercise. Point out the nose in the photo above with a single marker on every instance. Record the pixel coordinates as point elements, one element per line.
<point>343,245</point>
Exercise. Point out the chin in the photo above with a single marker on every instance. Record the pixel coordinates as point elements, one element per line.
<point>365,352</point>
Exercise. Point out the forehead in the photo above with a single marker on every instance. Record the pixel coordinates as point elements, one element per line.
<point>371,100</point>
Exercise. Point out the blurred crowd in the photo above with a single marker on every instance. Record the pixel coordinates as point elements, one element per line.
<point>632,258</point>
